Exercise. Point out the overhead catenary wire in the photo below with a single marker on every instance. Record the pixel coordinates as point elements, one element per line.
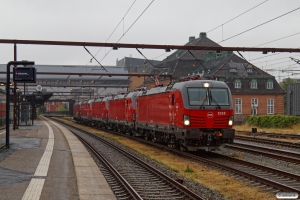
<point>129,27</point>
<point>237,16</point>
<point>228,21</point>
<point>117,26</point>
<point>145,57</point>
<point>95,58</point>
<point>278,39</point>
<point>198,60</point>
<point>276,59</point>
<point>260,24</point>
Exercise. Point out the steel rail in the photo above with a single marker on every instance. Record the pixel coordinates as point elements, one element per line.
<point>210,163</point>
<point>173,182</point>
<point>268,141</point>
<point>276,135</point>
<point>128,187</point>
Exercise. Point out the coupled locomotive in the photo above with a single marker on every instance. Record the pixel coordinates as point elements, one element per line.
<point>192,115</point>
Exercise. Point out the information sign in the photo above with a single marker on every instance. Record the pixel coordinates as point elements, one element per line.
<point>24,74</point>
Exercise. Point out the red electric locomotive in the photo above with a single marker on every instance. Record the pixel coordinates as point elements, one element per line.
<point>121,112</point>
<point>192,115</point>
<point>76,110</point>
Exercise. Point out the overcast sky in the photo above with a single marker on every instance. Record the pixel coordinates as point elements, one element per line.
<point>163,22</point>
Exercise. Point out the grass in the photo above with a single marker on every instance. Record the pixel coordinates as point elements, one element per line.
<point>213,179</point>
<point>188,170</point>
<point>238,155</point>
<point>294,130</point>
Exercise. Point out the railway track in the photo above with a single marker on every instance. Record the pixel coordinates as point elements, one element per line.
<point>289,156</point>
<point>268,141</point>
<point>269,179</point>
<point>275,135</point>
<point>132,178</point>
<point>275,180</point>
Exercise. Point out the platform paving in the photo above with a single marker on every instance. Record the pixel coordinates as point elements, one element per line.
<point>46,161</point>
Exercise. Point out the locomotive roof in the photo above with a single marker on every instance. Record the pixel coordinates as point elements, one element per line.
<point>198,83</point>
<point>182,85</point>
<point>119,96</point>
<point>131,94</point>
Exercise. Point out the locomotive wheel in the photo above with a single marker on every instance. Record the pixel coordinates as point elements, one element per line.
<point>183,149</point>
<point>153,138</point>
<point>146,137</point>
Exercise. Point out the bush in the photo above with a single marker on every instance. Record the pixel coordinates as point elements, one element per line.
<point>273,121</point>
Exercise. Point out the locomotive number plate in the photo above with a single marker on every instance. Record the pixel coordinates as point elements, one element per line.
<point>221,113</point>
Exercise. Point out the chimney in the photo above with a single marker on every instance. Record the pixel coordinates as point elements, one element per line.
<point>191,38</point>
<point>202,35</point>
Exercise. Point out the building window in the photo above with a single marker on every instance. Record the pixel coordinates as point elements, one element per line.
<point>269,84</point>
<point>253,84</point>
<point>270,106</point>
<point>237,84</point>
<point>232,70</point>
<point>254,105</point>
<point>249,71</point>
<point>238,106</point>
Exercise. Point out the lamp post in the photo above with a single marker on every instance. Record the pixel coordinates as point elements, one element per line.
<point>8,93</point>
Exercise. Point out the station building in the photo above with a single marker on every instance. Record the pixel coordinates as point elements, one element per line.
<point>254,92</point>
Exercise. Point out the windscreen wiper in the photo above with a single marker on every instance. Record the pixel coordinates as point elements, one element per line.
<point>201,106</point>
<point>214,100</point>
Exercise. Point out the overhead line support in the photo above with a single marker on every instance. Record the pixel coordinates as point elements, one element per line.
<point>147,46</point>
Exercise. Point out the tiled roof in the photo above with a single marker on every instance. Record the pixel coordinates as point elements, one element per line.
<point>219,65</point>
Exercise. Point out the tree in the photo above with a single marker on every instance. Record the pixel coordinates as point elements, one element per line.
<point>284,84</point>
<point>41,110</point>
<point>286,81</point>
<point>61,108</point>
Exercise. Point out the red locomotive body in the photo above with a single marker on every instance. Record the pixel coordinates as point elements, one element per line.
<point>192,115</point>
<point>121,113</point>
<point>97,112</point>
<point>84,112</point>
<point>76,110</point>
<point>116,112</point>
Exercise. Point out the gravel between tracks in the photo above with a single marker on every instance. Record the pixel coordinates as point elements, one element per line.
<point>262,160</point>
<point>196,187</point>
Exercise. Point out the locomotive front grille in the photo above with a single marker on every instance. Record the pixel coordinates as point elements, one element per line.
<point>220,122</point>
<point>198,121</point>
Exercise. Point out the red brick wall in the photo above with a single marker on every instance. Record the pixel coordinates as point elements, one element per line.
<point>52,106</point>
<point>262,103</point>
<point>136,81</point>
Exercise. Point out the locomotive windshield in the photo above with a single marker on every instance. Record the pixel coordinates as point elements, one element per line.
<point>208,96</point>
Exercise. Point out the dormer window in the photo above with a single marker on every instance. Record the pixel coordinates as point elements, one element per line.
<point>249,70</point>
<point>232,67</point>
<point>218,55</point>
<point>269,84</point>
<point>248,67</point>
<point>237,84</point>
<point>253,84</point>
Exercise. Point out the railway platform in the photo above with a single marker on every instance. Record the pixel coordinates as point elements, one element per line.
<point>46,161</point>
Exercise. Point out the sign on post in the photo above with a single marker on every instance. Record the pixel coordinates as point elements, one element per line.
<point>24,74</point>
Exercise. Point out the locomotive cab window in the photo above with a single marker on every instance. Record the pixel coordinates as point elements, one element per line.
<point>219,96</point>
<point>208,96</point>
<point>198,96</point>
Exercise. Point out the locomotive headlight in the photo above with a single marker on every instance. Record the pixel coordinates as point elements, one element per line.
<point>186,120</point>
<point>230,121</point>
<point>206,84</point>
